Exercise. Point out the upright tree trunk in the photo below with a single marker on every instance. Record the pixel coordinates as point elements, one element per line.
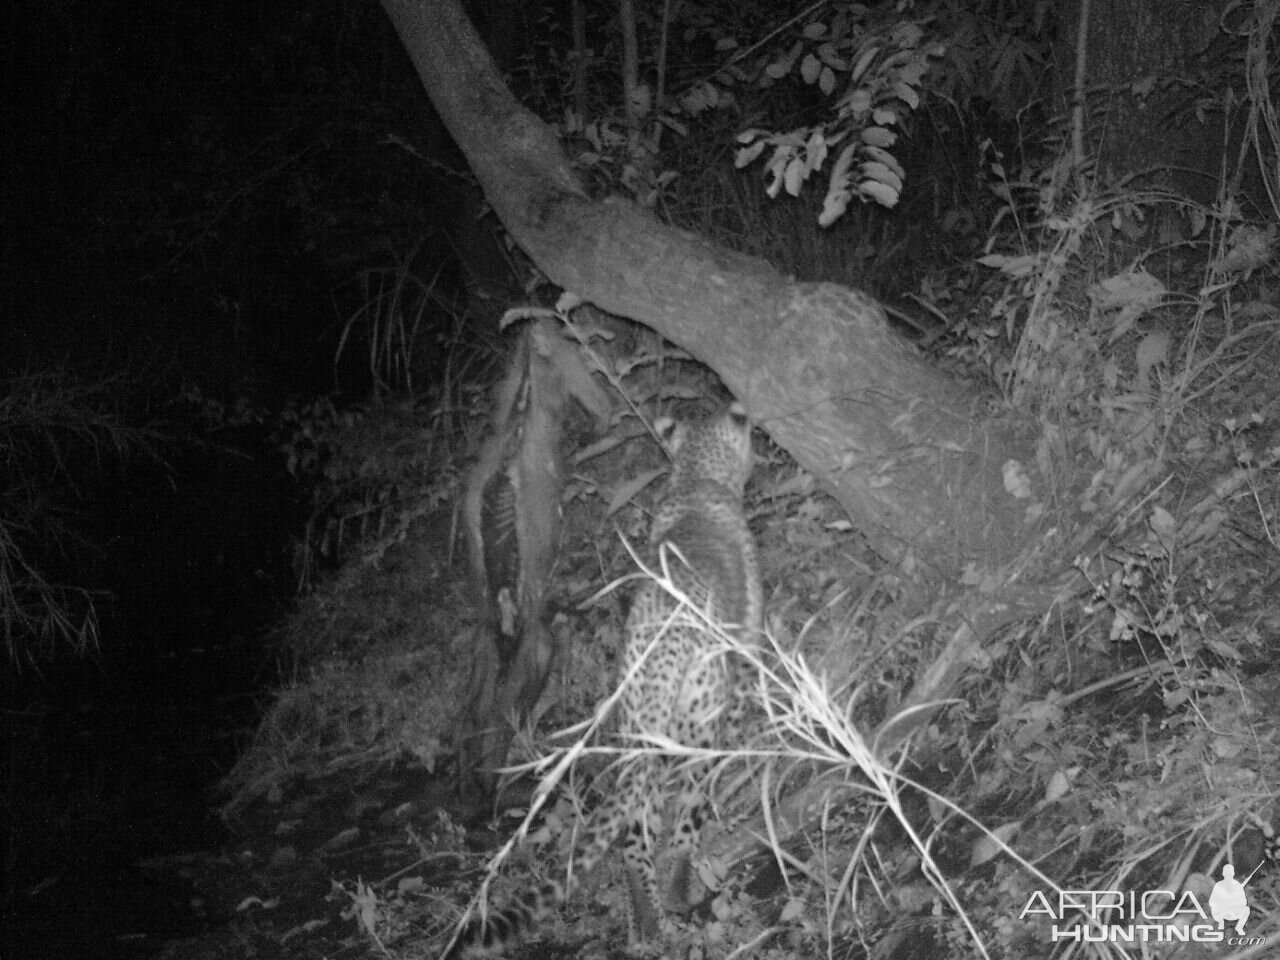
<point>1135,50</point>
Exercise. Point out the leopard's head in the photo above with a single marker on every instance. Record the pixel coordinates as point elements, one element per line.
<point>717,449</point>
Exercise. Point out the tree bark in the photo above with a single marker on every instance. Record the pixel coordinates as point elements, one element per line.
<point>1134,49</point>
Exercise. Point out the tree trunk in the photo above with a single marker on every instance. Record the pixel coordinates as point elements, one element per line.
<point>1137,52</point>
<point>909,452</point>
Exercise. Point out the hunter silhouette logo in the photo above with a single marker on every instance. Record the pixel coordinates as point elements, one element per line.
<point>1227,901</point>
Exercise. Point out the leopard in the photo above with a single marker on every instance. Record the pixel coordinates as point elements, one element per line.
<point>679,681</point>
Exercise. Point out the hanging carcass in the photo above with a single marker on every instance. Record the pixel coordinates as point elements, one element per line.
<point>512,518</point>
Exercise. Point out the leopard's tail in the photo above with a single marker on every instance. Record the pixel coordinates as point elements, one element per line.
<point>499,930</point>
